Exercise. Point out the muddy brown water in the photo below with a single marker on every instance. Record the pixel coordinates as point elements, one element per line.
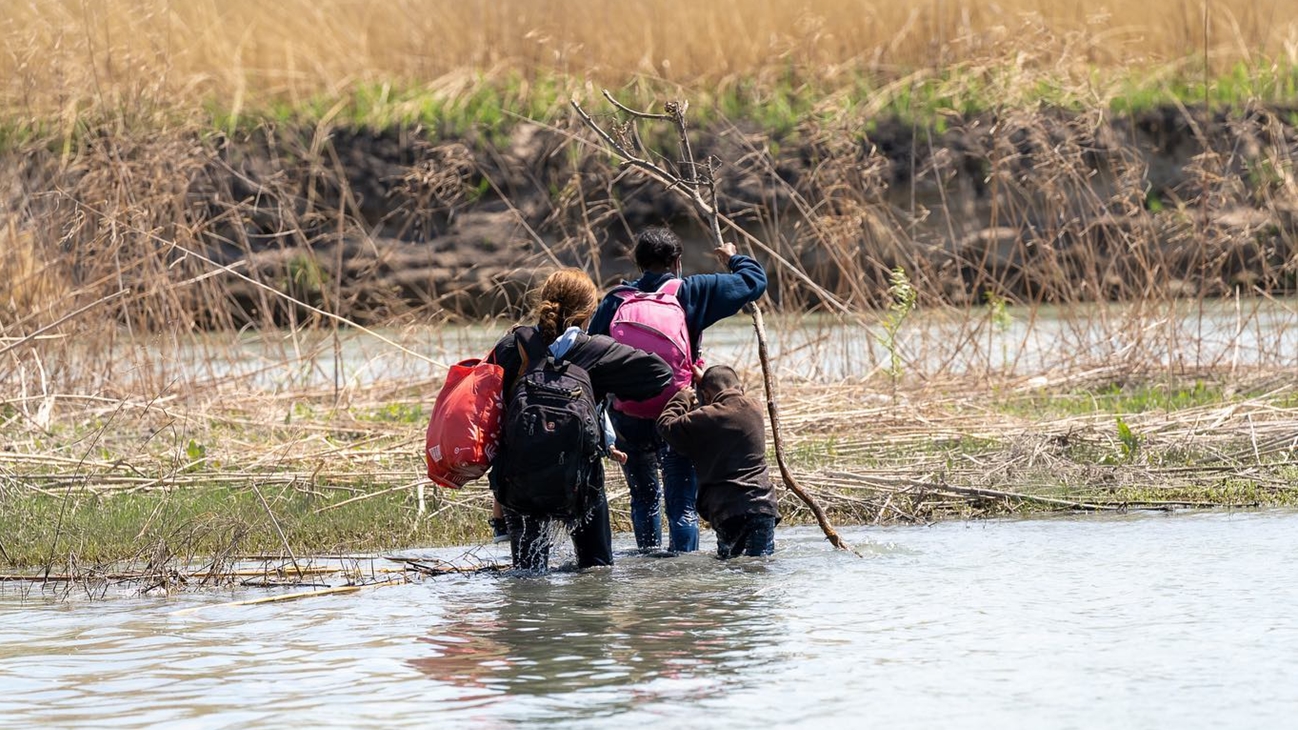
<point>1182,621</point>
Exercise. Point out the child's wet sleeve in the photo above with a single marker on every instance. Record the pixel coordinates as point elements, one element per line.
<point>674,424</point>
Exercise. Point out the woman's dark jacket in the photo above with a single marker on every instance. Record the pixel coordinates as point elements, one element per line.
<point>614,368</point>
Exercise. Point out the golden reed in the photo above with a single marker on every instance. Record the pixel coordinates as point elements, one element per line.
<point>65,54</point>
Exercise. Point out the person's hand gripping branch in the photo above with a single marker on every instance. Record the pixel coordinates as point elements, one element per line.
<point>724,252</point>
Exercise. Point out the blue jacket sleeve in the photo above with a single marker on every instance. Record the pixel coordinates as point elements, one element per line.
<point>603,317</point>
<point>710,298</point>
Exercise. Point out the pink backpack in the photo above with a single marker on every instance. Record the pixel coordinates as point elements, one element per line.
<point>654,322</point>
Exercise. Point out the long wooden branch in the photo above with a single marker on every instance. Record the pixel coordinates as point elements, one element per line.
<point>768,380</point>
<point>691,188</point>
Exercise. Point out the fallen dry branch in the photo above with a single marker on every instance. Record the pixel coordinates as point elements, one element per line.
<point>288,597</point>
<point>440,567</point>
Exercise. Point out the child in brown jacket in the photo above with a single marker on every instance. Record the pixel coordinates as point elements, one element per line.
<point>724,433</point>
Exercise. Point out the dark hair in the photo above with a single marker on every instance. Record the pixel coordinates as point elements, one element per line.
<point>718,378</point>
<point>657,248</point>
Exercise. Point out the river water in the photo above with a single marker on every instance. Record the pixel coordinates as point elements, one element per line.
<point>1139,621</point>
<point>1181,336</point>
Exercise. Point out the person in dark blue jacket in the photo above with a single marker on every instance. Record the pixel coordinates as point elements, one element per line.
<point>706,299</point>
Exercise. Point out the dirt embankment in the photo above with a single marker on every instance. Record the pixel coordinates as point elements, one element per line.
<point>1029,205</point>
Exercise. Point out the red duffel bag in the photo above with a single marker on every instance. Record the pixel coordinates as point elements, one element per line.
<point>464,430</point>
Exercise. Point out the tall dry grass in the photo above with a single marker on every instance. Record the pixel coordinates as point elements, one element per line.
<point>29,282</point>
<point>1045,213</point>
<point>63,55</point>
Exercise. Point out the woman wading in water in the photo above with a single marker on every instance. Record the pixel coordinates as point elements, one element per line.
<point>556,379</point>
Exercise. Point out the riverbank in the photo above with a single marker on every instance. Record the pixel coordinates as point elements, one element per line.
<point>186,191</point>
<point>175,483</point>
<point>298,222</point>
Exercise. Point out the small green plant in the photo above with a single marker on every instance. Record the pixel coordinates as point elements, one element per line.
<point>903,296</point>
<point>998,311</point>
<point>1128,440</point>
<point>1153,202</point>
<point>998,315</point>
<point>299,412</point>
<point>305,276</point>
<point>196,453</point>
<point>479,191</point>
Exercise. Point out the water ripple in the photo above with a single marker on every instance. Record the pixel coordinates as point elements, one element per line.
<point>1126,621</point>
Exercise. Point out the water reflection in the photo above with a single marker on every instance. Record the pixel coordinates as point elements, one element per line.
<point>685,628</point>
<point>1044,623</point>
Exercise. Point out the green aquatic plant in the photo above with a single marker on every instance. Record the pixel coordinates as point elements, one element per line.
<point>902,295</point>
<point>1127,439</point>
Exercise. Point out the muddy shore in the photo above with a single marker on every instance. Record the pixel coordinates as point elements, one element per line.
<point>1033,206</point>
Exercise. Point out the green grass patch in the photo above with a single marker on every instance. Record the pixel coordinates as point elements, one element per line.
<point>412,413</point>
<point>486,108</point>
<point>1231,491</point>
<point>197,522</point>
<point>815,454</point>
<point>1118,398</point>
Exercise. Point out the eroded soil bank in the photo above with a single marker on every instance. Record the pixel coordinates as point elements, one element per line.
<point>1029,205</point>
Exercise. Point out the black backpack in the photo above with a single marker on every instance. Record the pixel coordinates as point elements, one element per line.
<point>551,434</point>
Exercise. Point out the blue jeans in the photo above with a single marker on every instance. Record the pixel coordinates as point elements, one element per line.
<point>646,455</point>
<point>752,535</point>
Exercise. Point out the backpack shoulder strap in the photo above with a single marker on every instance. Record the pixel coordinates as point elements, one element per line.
<point>587,351</point>
<point>671,286</point>
<point>530,348</point>
<point>622,291</point>
<point>579,346</point>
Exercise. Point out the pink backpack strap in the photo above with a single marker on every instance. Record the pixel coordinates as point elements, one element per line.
<point>623,291</point>
<point>671,286</point>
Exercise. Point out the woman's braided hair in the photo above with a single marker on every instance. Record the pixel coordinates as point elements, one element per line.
<point>567,299</point>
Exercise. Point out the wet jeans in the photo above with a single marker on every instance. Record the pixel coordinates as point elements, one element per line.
<point>530,538</point>
<point>646,455</point>
<point>752,535</point>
